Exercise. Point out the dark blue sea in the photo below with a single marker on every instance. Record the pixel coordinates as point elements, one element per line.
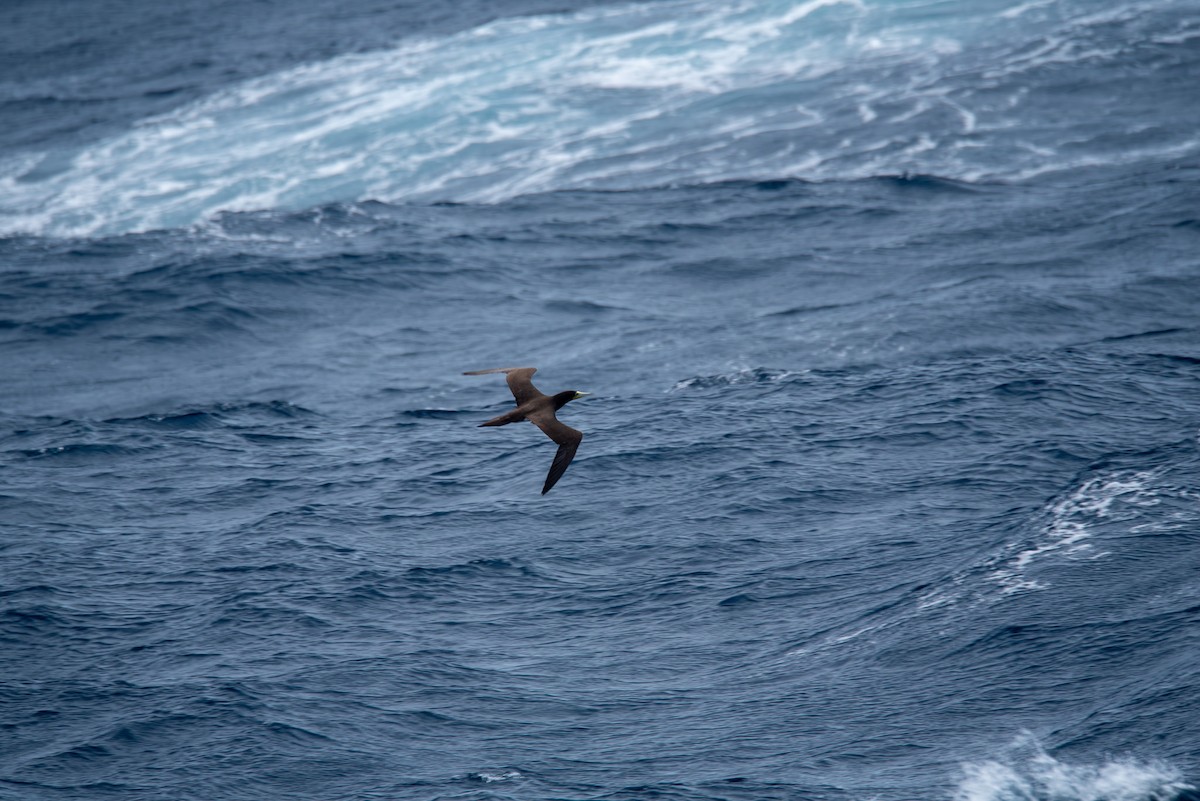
<point>890,480</point>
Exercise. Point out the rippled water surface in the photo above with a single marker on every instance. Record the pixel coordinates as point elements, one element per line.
<point>890,484</point>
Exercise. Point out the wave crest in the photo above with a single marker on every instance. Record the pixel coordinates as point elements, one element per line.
<point>631,97</point>
<point>1030,774</point>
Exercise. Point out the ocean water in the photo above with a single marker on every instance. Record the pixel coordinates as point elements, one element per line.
<point>890,484</point>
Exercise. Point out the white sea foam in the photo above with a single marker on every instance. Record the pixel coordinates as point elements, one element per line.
<point>743,375</point>
<point>1024,8</point>
<point>1078,527</point>
<point>1069,525</point>
<point>1028,773</point>
<point>492,777</point>
<point>622,97</point>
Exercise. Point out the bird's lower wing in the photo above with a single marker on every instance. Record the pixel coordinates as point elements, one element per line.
<point>568,440</point>
<point>520,381</point>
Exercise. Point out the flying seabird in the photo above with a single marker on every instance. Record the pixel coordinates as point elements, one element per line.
<point>539,409</point>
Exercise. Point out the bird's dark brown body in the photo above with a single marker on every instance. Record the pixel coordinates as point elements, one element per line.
<point>539,409</point>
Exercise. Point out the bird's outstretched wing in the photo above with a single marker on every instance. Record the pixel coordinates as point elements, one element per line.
<point>568,440</point>
<point>520,381</point>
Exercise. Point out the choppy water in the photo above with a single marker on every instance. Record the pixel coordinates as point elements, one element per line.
<point>891,482</point>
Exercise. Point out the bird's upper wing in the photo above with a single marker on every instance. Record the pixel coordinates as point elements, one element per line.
<point>520,381</point>
<point>568,440</point>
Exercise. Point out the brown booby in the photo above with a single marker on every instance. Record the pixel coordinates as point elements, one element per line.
<point>539,409</point>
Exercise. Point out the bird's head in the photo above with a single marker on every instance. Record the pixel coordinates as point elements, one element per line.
<point>565,397</point>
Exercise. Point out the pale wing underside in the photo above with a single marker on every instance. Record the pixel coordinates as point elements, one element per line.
<point>568,440</point>
<point>520,381</point>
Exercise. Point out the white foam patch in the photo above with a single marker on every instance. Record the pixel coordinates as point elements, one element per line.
<point>1030,774</point>
<point>1089,523</point>
<point>1070,523</point>
<point>743,375</point>
<point>492,777</point>
<point>623,97</point>
<point>1025,8</point>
